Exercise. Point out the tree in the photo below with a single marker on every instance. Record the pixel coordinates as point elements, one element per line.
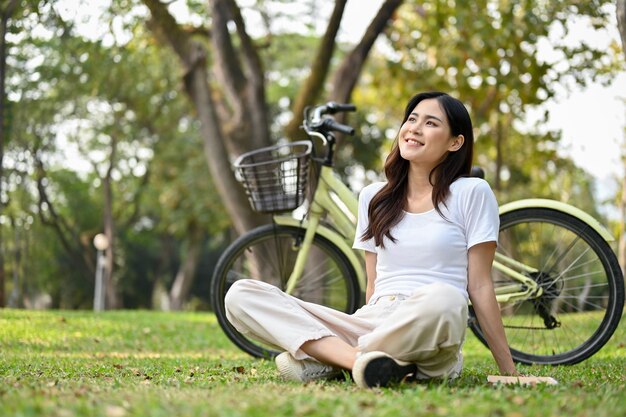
<point>244,87</point>
<point>229,98</point>
<point>7,8</point>
<point>114,116</point>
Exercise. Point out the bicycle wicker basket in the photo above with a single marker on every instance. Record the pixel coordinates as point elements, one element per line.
<point>275,178</point>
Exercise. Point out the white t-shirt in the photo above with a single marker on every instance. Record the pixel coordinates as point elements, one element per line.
<point>428,247</point>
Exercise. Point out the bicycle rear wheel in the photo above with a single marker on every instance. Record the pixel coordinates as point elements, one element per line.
<point>583,288</point>
<point>268,253</point>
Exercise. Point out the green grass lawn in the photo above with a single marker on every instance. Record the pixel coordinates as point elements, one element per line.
<point>141,363</point>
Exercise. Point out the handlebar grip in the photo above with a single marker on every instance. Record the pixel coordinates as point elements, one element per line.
<point>333,107</point>
<point>338,127</point>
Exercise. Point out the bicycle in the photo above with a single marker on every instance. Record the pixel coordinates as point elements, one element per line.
<point>557,280</point>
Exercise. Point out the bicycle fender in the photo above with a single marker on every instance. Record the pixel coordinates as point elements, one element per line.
<point>336,239</point>
<point>562,207</point>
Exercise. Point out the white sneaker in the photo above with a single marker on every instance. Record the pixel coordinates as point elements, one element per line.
<point>378,369</point>
<point>292,369</point>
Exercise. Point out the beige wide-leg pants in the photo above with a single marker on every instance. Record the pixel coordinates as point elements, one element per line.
<point>426,328</point>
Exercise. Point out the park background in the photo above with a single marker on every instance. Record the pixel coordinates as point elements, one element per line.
<point>120,118</point>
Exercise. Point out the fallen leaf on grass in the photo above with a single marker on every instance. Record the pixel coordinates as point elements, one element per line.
<point>518,400</point>
<point>239,369</point>
<point>114,411</point>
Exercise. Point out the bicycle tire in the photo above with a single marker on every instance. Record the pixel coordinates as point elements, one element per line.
<point>583,288</point>
<point>329,278</point>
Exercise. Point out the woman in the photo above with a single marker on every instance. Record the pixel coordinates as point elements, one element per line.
<point>429,235</point>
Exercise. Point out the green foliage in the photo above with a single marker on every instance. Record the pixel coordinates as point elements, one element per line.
<point>71,96</point>
<point>492,55</point>
<point>75,97</point>
<point>162,364</point>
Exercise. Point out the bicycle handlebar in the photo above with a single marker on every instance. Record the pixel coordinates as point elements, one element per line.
<point>317,122</point>
<point>337,107</point>
<point>330,124</point>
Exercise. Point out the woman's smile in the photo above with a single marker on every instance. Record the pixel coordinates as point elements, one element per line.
<point>413,142</point>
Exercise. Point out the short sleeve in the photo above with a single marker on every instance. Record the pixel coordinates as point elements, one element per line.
<point>365,197</point>
<point>482,219</point>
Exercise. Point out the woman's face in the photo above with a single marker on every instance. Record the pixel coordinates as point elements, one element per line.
<point>425,137</point>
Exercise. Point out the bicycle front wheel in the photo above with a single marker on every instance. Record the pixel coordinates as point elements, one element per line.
<point>268,253</point>
<point>582,295</point>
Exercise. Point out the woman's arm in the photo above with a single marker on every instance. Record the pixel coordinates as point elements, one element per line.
<point>370,270</point>
<point>483,297</point>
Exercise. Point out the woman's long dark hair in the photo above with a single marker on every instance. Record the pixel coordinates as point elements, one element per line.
<point>387,207</point>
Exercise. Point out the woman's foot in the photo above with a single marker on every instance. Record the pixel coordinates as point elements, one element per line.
<point>305,370</point>
<point>378,369</point>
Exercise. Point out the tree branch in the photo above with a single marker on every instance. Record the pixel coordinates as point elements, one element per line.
<point>348,73</point>
<point>313,85</point>
<point>168,28</point>
<point>226,64</point>
<point>58,223</point>
<point>245,91</point>
<point>621,22</point>
<point>254,96</point>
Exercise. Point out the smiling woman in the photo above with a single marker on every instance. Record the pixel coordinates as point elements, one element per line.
<point>417,291</point>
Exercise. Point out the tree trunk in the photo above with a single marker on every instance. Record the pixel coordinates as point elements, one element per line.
<point>15,296</point>
<point>7,12</point>
<point>113,299</point>
<point>621,22</point>
<point>349,71</point>
<point>187,270</point>
<point>314,84</point>
<point>346,76</point>
<point>193,54</point>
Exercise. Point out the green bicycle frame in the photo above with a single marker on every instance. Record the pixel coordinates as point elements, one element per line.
<point>333,197</point>
<point>527,287</point>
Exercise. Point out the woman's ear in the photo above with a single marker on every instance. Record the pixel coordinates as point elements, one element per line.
<point>457,143</point>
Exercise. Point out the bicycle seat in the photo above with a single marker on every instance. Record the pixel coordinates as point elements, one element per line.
<point>477,172</point>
